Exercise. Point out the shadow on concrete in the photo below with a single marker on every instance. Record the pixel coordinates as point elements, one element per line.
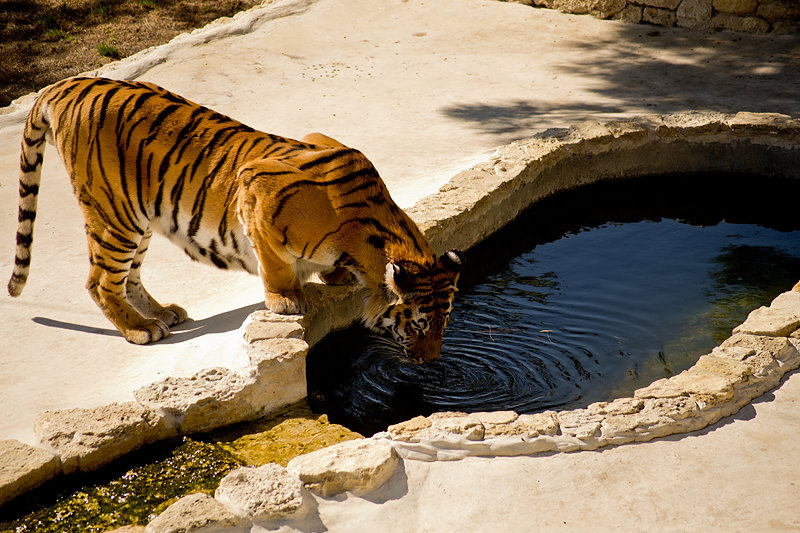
<point>53,323</point>
<point>641,69</point>
<point>191,329</point>
<point>219,323</point>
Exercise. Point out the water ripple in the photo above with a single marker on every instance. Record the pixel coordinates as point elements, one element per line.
<point>585,318</point>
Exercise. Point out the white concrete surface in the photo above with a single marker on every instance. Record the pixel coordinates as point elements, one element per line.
<point>740,475</point>
<point>424,89</point>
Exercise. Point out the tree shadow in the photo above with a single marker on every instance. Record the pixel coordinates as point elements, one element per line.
<point>641,69</point>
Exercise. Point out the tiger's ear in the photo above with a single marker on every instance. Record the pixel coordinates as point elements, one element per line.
<point>397,279</point>
<point>452,260</point>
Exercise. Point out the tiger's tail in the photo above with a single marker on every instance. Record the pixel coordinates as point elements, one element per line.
<point>30,175</point>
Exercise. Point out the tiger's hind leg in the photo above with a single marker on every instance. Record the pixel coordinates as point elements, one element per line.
<point>111,254</point>
<point>140,299</point>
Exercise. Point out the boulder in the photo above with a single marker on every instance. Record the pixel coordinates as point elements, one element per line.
<point>195,513</point>
<point>211,398</point>
<point>694,13</point>
<point>770,321</point>
<point>87,439</point>
<point>266,492</point>
<point>23,468</point>
<point>736,7</point>
<point>359,466</point>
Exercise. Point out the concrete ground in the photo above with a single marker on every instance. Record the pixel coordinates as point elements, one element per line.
<point>424,89</point>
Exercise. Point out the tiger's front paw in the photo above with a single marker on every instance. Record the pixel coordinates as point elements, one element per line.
<point>286,304</point>
<point>150,330</point>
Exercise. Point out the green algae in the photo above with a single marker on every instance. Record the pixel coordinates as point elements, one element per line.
<point>292,432</point>
<point>135,489</point>
<point>131,492</point>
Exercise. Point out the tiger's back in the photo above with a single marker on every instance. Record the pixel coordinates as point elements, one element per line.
<point>142,159</point>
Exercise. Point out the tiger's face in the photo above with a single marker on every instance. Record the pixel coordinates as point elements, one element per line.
<point>425,296</point>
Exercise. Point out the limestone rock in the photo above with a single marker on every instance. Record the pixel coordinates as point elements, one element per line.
<point>723,366</point>
<point>597,8</point>
<point>461,424</point>
<point>631,14</point>
<point>580,423</point>
<point>358,465</point>
<point>87,439</point>
<point>279,375</point>
<point>694,13</point>
<point>660,17</point>
<point>769,321</point>
<point>409,428</point>
<point>195,513</point>
<point>496,417</point>
<point>665,4</point>
<point>266,492</point>
<point>781,349</point>
<point>788,301</point>
<point>498,423</point>
<point>661,388</point>
<point>23,468</point>
<point>706,388</point>
<point>129,529</point>
<point>735,7</point>
<point>207,400</point>
<point>657,417</point>
<point>262,325</point>
<point>724,21</point>
<point>620,406</point>
<point>536,424</point>
<point>779,10</point>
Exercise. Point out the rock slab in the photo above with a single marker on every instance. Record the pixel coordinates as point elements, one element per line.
<point>360,466</point>
<point>197,512</point>
<point>87,439</point>
<point>267,492</point>
<point>23,468</point>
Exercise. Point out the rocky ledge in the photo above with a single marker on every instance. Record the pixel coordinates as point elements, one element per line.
<point>749,363</point>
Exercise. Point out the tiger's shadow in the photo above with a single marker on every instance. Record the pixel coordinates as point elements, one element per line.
<point>190,329</point>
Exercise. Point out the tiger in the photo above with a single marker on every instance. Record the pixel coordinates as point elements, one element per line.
<point>142,159</point>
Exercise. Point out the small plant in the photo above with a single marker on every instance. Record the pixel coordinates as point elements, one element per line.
<point>101,11</point>
<point>53,30</point>
<point>59,34</point>
<point>148,4</point>
<point>109,50</point>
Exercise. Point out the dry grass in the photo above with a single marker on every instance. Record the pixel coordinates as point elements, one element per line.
<point>43,41</point>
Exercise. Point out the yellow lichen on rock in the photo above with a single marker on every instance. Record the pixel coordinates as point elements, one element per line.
<point>280,438</point>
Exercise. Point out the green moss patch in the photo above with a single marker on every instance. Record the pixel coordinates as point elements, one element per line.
<point>136,489</point>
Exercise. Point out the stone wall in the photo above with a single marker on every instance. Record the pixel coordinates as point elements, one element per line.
<point>751,16</point>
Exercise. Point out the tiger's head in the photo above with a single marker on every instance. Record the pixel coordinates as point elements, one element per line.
<point>421,297</point>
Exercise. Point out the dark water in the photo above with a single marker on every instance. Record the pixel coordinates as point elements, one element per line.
<point>575,303</point>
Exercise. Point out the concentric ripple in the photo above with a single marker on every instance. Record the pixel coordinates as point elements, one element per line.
<point>591,315</point>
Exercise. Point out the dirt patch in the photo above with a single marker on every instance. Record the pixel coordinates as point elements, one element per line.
<point>43,41</point>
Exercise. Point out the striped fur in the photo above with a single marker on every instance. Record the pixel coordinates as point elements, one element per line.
<point>142,159</point>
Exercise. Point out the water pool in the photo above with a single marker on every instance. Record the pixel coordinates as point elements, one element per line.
<point>588,296</point>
